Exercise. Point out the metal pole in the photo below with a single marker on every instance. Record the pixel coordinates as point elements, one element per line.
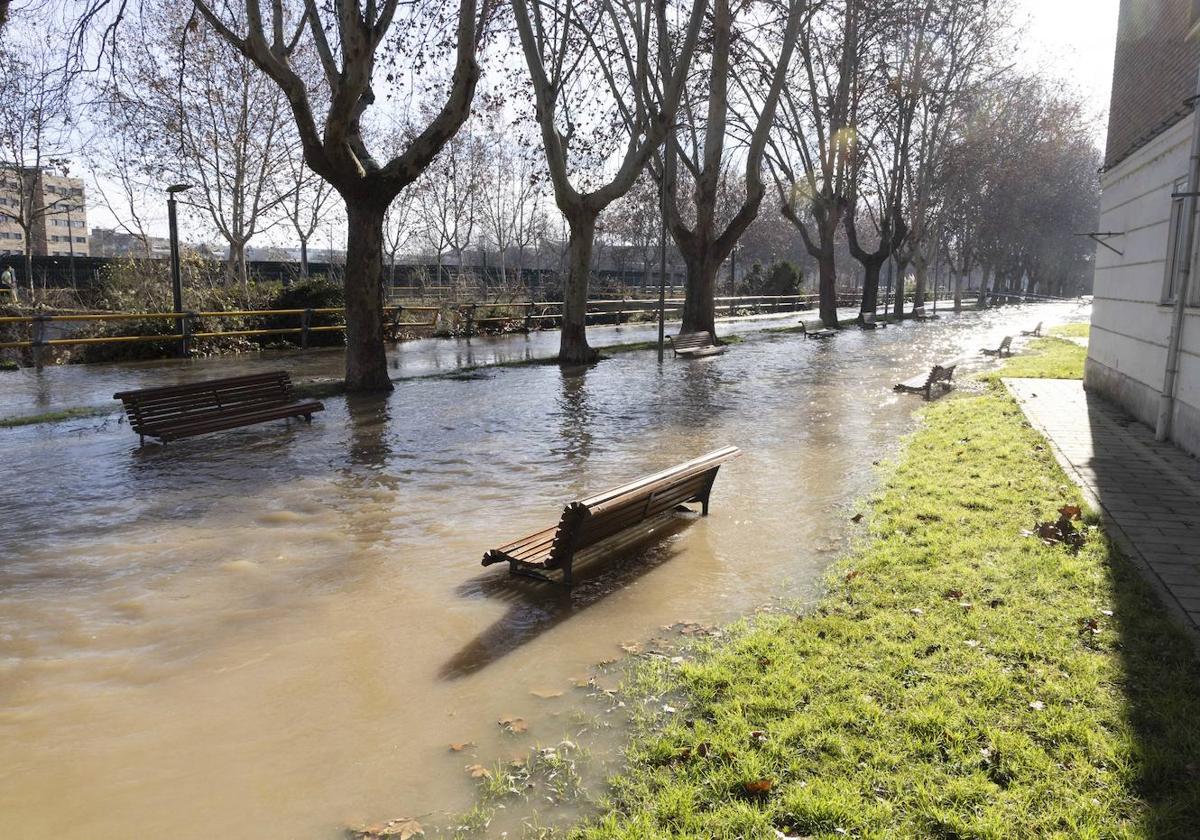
<point>662,261</point>
<point>71,241</point>
<point>1166,401</point>
<point>176,279</point>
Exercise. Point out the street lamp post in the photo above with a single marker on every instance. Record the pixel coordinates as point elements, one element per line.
<point>176,277</point>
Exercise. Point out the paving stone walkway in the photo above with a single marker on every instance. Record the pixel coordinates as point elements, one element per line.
<point>1148,492</point>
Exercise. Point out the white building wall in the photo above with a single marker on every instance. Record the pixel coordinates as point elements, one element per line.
<point>1130,324</point>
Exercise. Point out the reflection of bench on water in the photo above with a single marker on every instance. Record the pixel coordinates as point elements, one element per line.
<point>694,344</point>
<point>179,411</point>
<point>588,523</point>
<point>939,374</point>
<point>1005,348</point>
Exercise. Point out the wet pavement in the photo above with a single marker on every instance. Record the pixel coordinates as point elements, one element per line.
<point>276,631</point>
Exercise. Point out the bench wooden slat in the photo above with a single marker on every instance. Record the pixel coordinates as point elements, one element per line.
<point>596,519</point>
<point>175,411</point>
<point>1005,348</point>
<point>940,374</point>
<point>695,344</point>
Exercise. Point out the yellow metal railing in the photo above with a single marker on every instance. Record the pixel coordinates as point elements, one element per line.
<point>529,313</point>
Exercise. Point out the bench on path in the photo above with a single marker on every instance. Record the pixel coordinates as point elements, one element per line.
<point>1005,348</point>
<point>940,374</point>
<point>179,411</point>
<point>695,344</point>
<point>817,330</point>
<point>1035,332</point>
<point>586,523</point>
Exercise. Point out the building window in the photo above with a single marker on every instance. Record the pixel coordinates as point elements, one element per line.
<point>1177,233</point>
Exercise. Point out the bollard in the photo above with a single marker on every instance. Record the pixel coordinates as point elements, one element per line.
<point>305,325</point>
<point>185,331</point>
<point>37,338</point>
<point>528,316</point>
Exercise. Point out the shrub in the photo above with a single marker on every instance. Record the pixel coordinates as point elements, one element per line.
<point>310,294</point>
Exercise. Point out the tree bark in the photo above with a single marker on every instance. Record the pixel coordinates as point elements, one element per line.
<point>573,348</point>
<point>870,290</point>
<point>699,306</point>
<point>827,285</point>
<point>304,257</point>
<point>366,359</point>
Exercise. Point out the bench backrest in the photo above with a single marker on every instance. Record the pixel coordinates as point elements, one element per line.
<point>150,406</point>
<point>596,518</point>
<point>1006,343</point>
<point>692,340</point>
<point>941,373</point>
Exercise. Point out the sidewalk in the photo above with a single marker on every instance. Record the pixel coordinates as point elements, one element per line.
<point>1148,492</point>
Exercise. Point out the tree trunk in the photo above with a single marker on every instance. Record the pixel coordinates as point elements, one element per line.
<point>699,309</point>
<point>366,360</point>
<point>304,257</point>
<point>870,291</point>
<point>827,287</point>
<point>919,287</point>
<point>960,280</point>
<point>898,307</point>
<point>573,346</point>
<point>29,269</point>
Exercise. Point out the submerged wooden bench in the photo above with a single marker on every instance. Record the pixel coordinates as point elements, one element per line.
<point>1005,348</point>
<point>179,411</point>
<point>588,522</point>
<point>821,331</point>
<point>1035,332</point>
<point>940,374</point>
<point>695,344</point>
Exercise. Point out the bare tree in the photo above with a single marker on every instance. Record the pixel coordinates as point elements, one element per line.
<point>399,227</point>
<point>347,36</point>
<point>810,153</point>
<point>594,66</point>
<point>450,197</point>
<point>704,236</point>
<point>34,136</point>
<point>306,203</point>
<point>510,196</point>
<point>208,118</point>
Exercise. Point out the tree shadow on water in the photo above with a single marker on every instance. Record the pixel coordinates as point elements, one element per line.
<point>536,607</point>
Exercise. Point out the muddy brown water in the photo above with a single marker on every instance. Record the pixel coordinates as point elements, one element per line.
<point>275,632</point>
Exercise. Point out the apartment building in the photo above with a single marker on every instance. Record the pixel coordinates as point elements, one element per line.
<point>60,212</point>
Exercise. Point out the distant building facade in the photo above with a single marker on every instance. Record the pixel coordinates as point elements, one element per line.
<point>1150,130</point>
<point>106,242</point>
<point>60,224</point>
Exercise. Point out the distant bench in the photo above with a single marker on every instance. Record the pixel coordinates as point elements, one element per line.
<point>940,374</point>
<point>817,330</point>
<point>1005,348</point>
<point>1035,332</point>
<point>695,344</point>
<point>586,523</point>
<point>179,411</point>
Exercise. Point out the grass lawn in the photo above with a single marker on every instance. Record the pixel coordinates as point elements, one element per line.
<point>1072,330</point>
<point>1046,358</point>
<point>958,679</point>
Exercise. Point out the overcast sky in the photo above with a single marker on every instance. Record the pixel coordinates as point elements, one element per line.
<point>1075,40</point>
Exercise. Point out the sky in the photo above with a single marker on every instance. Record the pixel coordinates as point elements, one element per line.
<point>1074,40</point>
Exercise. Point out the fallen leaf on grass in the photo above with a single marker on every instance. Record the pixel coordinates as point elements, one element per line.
<point>758,737</point>
<point>478,771</point>
<point>546,693</point>
<point>1070,512</point>
<point>513,724</point>
<point>758,787</point>
<point>1090,625</point>
<point>952,594</point>
<point>461,747</point>
<point>399,829</point>
<point>851,575</point>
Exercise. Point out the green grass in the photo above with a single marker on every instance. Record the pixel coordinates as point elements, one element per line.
<point>1072,330</point>
<point>958,679</point>
<point>55,416</point>
<point>1047,358</point>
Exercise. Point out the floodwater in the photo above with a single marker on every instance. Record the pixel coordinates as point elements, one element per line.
<point>276,632</point>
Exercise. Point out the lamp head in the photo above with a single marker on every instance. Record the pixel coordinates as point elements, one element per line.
<point>178,188</point>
